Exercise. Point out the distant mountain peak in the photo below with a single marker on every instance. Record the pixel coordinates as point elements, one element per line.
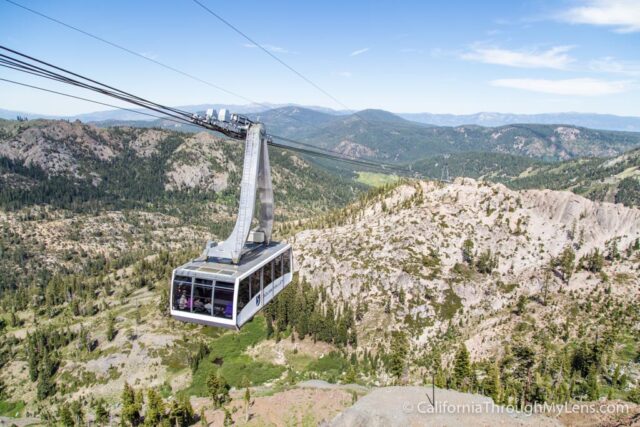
<point>379,115</point>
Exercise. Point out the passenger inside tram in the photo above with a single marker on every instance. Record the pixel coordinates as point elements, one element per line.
<point>202,298</point>
<point>183,300</point>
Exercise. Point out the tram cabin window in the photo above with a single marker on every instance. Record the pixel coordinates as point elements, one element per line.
<point>256,277</point>
<point>244,293</point>
<point>286,262</point>
<point>182,293</point>
<point>267,272</point>
<point>278,267</point>
<point>203,296</point>
<point>223,300</point>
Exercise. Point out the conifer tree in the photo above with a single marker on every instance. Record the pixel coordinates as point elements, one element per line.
<point>218,389</point>
<point>46,386</point>
<point>467,252</point>
<point>399,350</point>
<point>101,413</point>
<point>595,261</point>
<point>111,327</point>
<point>77,413</point>
<point>593,388</point>
<point>247,402</point>
<point>492,384</point>
<point>155,409</point>
<point>462,368</point>
<point>521,305</point>
<point>566,262</point>
<point>228,420</point>
<point>181,412</point>
<point>64,415</point>
<point>131,409</point>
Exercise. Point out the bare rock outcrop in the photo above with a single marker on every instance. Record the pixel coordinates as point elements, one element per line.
<point>410,406</point>
<point>202,162</point>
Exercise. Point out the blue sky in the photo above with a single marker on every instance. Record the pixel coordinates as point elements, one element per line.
<point>403,56</point>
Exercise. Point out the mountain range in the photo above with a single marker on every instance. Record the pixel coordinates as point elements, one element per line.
<point>378,134</point>
<point>491,119</point>
<point>588,120</point>
<point>384,136</point>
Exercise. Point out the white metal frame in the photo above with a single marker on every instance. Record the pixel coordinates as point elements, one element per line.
<point>267,293</point>
<point>246,315</point>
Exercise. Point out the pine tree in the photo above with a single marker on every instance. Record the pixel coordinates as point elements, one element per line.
<point>492,384</point>
<point>521,305</point>
<point>399,350</point>
<point>155,409</point>
<point>228,421</point>
<point>566,262</point>
<point>46,386</point>
<point>614,253</point>
<point>342,332</point>
<point>359,312</point>
<point>439,377</point>
<point>546,283</point>
<point>64,415</point>
<point>77,413</point>
<point>247,402</point>
<point>181,413</point>
<point>351,376</point>
<point>131,409</point>
<point>462,368</point>
<point>595,261</point>
<point>101,413</point>
<point>218,389</point>
<point>486,262</point>
<point>13,319</point>
<point>593,388</point>
<point>353,337</point>
<point>387,307</point>
<point>111,327</point>
<point>467,252</point>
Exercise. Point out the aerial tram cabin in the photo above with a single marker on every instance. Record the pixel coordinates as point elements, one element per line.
<point>218,293</point>
<point>233,280</point>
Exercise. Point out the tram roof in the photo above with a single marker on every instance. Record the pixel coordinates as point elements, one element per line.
<point>256,256</point>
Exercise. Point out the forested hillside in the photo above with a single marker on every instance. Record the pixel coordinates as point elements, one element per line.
<point>614,179</point>
<point>382,135</point>
<point>82,167</point>
<point>98,194</point>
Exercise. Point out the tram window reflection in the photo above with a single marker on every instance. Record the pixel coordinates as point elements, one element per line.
<point>255,283</point>
<point>244,293</point>
<point>223,300</point>
<point>268,274</point>
<point>278,266</point>
<point>287,262</point>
